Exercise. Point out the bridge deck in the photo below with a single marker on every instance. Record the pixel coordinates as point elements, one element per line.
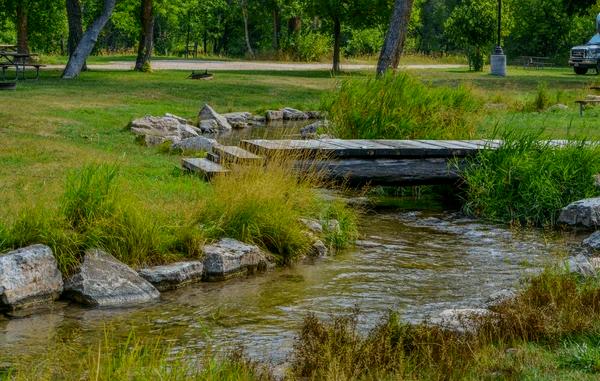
<point>383,162</point>
<point>372,149</point>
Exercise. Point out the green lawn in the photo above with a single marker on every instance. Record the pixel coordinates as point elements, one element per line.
<point>50,126</point>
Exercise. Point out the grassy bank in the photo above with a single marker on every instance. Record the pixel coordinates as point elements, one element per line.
<point>255,204</point>
<point>528,181</point>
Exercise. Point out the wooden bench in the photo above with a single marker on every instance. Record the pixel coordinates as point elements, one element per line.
<point>536,62</point>
<point>584,102</point>
<point>21,67</point>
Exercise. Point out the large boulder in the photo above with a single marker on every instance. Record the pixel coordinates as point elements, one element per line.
<point>581,265</point>
<point>29,277</point>
<point>238,119</point>
<point>208,113</point>
<point>170,277</point>
<point>592,242</point>
<point>156,130</point>
<point>500,296</point>
<point>103,281</point>
<point>198,143</point>
<point>273,115</point>
<point>293,114</point>
<point>585,213</point>
<point>229,257</point>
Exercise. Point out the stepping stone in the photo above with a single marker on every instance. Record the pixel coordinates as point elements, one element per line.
<point>203,167</point>
<point>236,155</point>
<point>173,276</point>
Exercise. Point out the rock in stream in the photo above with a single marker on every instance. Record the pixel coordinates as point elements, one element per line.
<point>29,277</point>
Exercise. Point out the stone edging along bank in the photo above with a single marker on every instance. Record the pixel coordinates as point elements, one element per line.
<point>29,277</point>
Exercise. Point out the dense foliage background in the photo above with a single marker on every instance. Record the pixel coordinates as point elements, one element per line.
<point>303,29</point>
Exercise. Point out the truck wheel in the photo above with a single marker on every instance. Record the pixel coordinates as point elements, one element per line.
<point>581,70</point>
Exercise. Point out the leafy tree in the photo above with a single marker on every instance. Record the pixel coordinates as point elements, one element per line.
<point>472,26</point>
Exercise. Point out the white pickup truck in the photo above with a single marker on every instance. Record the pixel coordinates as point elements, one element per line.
<point>586,57</point>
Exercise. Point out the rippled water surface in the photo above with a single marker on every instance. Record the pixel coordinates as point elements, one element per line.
<point>417,263</point>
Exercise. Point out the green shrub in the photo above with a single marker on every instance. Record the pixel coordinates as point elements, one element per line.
<point>527,181</point>
<point>399,107</point>
<point>364,42</point>
<point>581,356</point>
<point>311,46</point>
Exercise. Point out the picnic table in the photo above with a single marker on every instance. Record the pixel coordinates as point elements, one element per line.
<point>10,58</point>
<point>536,62</point>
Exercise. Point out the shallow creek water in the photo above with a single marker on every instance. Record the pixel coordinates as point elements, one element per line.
<point>417,263</point>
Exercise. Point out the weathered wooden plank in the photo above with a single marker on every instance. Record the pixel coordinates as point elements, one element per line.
<point>403,172</point>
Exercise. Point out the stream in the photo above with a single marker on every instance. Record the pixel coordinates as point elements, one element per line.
<point>416,263</point>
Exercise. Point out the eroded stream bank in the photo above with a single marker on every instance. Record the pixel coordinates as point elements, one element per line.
<point>418,263</point>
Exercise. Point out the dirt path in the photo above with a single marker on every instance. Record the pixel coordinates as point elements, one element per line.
<point>242,65</point>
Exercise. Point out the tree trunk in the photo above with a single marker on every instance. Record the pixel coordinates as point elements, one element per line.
<point>146,36</point>
<point>75,22</point>
<point>395,37</point>
<point>294,25</point>
<point>22,28</point>
<point>337,36</point>
<point>88,41</point>
<point>276,28</point>
<point>246,34</point>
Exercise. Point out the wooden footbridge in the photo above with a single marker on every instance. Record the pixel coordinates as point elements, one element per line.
<point>356,162</point>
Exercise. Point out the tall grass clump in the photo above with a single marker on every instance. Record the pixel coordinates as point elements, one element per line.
<point>554,308</point>
<point>132,358</point>
<point>528,180</point>
<point>399,106</point>
<point>264,205</point>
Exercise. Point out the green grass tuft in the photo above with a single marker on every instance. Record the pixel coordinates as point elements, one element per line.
<point>399,106</point>
<point>527,181</point>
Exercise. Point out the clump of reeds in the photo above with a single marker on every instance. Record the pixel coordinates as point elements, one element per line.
<point>264,204</point>
<point>528,180</point>
<point>554,307</point>
<point>131,358</point>
<point>398,106</point>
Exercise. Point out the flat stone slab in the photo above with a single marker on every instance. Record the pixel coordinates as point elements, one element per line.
<point>584,213</point>
<point>103,281</point>
<point>229,257</point>
<point>29,277</point>
<point>173,276</point>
